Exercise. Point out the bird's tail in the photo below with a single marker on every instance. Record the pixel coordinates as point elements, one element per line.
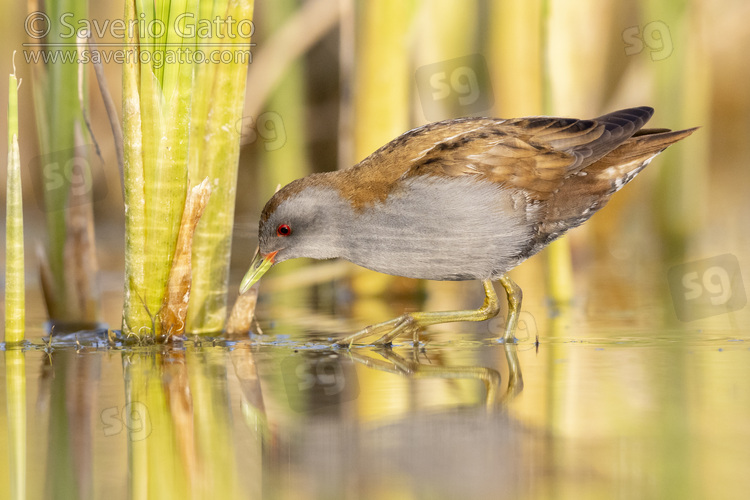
<point>620,166</point>
<point>588,190</point>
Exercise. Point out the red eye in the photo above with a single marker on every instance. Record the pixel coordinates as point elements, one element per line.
<point>283,230</point>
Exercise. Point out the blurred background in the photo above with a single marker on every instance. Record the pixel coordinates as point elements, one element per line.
<point>637,378</point>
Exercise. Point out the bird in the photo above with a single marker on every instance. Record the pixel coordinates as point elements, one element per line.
<point>456,200</point>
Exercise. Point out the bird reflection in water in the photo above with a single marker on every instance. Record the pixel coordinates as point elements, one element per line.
<point>392,362</point>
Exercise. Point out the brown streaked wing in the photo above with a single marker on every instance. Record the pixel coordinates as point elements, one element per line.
<point>534,154</point>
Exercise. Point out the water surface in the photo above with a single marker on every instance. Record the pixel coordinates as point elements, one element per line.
<point>614,399</point>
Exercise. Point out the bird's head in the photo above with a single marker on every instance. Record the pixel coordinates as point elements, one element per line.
<point>300,220</point>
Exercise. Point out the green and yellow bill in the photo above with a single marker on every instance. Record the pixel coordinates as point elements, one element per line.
<point>260,264</point>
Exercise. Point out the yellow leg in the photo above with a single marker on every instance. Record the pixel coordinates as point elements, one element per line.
<point>413,321</point>
<point>515,297</point>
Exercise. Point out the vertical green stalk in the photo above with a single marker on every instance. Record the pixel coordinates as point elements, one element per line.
<point>217,158</point>
<point>134,314</point>
<point>287,163</point>
<point>560,272</point>
<point>181,110</point>
<point>516,47</point>
<point>156,114</point>
<point>447,29</point>
<point>165,113</point>
<point>382,96</point>
<point>15,307</point>
<point>682,89</point>
<point>58,110</point>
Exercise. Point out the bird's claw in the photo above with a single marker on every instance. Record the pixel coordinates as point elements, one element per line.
<point>395,328</point>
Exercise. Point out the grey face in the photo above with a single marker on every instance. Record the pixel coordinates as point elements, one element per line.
<point>312,219</point>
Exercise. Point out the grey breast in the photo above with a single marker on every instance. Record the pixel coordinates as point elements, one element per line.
<point>442,228</point>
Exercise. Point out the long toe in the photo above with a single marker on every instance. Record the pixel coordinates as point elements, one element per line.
<point>405,324</point>
<point>367,332</point>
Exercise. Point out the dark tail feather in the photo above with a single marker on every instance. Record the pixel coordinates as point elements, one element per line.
<point>630,120</point>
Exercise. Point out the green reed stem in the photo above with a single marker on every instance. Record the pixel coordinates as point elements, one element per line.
<point>216,156</point>
<point>15,308</point>
<point>165,110</point>
<point>57,112</point>
<point>181,126</point>
<point>156,104</point>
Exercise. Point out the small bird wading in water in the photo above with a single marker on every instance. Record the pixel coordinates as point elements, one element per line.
<point>463,199</point>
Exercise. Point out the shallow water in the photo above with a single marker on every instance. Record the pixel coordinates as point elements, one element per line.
<point>597,402</point>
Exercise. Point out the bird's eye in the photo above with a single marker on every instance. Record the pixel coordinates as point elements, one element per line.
<point>283,230</point>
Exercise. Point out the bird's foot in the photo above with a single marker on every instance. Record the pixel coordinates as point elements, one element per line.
<point>392,329</point>
<point>405,323</point>
<point>413,322</point>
